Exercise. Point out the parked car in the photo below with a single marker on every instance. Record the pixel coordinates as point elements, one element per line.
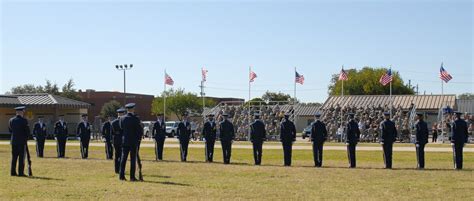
<point>306,132</point>
<point>171,128</point>
<point>147,130</point>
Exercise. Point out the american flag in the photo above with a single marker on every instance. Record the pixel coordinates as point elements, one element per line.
<point>299,78</point>
<point>343,75</point>
<point>168,80</point>
<point>386,78</point>
<point>444,75</point>
<point>252,76</point>
<point>204,74</point>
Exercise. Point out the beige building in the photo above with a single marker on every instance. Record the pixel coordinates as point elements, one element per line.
<point>46,105</point>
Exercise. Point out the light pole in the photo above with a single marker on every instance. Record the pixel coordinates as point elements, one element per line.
<point>124,68</point>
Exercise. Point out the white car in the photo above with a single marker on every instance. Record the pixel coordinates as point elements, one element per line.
<point>171,128</point>
<point>147,128</point>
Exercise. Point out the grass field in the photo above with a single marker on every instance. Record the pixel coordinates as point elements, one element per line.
<point>92,179</point>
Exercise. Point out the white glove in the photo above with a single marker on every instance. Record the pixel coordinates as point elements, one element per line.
<point>381,143</point>
<point>452,144</point>
<point>417,145</point>
<point>347,143</point>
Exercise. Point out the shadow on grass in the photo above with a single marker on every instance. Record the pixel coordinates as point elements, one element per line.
<point>158,176</point>
<point>393,169</point>
<point>43,178</point>
<point>166,183</point>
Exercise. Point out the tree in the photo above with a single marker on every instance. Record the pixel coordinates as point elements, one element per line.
<point>312,104</point>
<point>110,109</point>
<point>466,96</point>
<point>366,82</point>
<point>272,97</point>
<point>178,101</point>
<point>68,90</point>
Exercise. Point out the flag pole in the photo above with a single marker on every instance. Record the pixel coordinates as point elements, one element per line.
<point>294,101</point>
<point>202,92</point>
<point>342,96</point>
<point>391,102</point>
<point>164,99</point>
<point>442,109</point>
<point>250,71</point>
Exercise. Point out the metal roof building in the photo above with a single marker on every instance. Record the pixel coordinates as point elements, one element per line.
<point>465,106</point>
<point>422,102</point>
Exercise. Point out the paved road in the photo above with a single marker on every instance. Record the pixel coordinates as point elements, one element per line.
<point>271,146</point>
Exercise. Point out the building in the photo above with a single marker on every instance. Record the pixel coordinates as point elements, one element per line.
<point>465,106</point>
<point>97,99</point>
<point>47,105</point>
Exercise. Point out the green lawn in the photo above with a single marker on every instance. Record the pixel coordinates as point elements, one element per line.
<point>94,179</point>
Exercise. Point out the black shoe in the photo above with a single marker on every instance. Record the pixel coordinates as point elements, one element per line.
<point>133,179</point>
<point>13,174</point>
<point>21,175</point>
<point>122,179</point>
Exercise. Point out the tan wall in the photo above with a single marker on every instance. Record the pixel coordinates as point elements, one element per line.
<point>72,116</point>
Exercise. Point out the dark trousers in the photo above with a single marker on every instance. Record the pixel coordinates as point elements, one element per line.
<point>420,155</point>
<point>435,137</point>
<point>209,151</point>
<point>387,154</point>
<point>61,148</point>
<point>159,146</point>
<point>183,145</point>
<point>18,154</point>
<point>226,151</point>
<point>84,148</point>
<point>40,147</point>
<point>318,154</point>
<point>287,149</point>
<point>132,150</point>
<point>118,155</point>
<point>351,154</point>
<point>109,150</point>
<point>457,155</point>
<point>257,152</point>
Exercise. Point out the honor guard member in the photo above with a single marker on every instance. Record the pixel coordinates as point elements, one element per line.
<point>132,133</point>
<point>117,139</point>
<point>184,134</point>
<point>209,133</point>
<point>159,133</point>
<point>319,135</point>
<point>107,136</point>
<point>287,137</point>
<point>258,135</point>
<point>459,137</point>
<point>19,130</point>
<point>84,135</point>
<point>353,135</point>
<point>421,140</point>
<point>39,133</point>
<point>388,137</point>
<point>61,134</point>
<point>227,135</point>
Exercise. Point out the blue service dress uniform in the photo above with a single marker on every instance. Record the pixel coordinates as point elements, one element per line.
<point>61,134</point>
<point>132,133</point>
<point>117,141</point>
<point>459,137</point>
<point>258,135</point>
<point>209,133</point>
<point>19,130</point>
<point>107,135</point>
<point>84,133</point>
<point>287,137</point>
<point>420,142</point>
<point>319,135</point>
<point>227,135</point>
<point>388,137</point>
<point>159,134</point>
<point>353,136</point>
<point>39,132</point>
<point>184,135</point>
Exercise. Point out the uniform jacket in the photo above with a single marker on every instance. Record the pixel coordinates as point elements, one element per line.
<point>353,132</point>
<point>18,127</point>
<point>184,131</point>
<point>84,131</point>
<point>258,132</point>
<point>107,131</point>
<point>209,131</point>
<point>39,131</point>
<point>287,131</point>
<point>421,132</point>
<point>131,130</point>
<point>227,132</point>
<point>60,130</point>
<point>388,132</point>
<point>319,132</point>
<point>116,132</point>
<point>159,130</point>
<point>459,132</point>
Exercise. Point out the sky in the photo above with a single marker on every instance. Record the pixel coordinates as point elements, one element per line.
<point>84,40</point>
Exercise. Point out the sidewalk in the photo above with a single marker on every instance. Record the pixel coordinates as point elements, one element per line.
<point>273,146</point>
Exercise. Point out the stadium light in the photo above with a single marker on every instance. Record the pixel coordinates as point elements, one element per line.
<point>124,68</point>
